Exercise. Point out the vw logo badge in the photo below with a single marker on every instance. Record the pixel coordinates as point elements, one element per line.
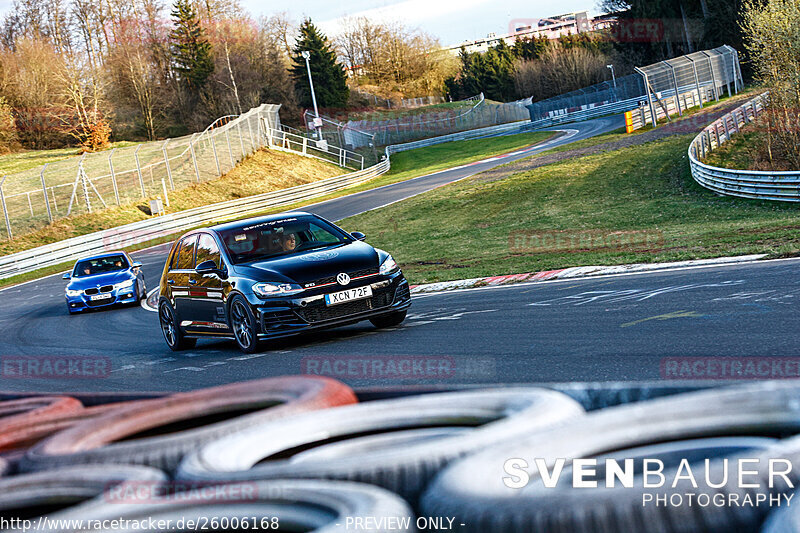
<point>343,279</point>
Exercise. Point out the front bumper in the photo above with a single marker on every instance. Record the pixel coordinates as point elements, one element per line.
<point>296,315</point>
<point>84,302</point>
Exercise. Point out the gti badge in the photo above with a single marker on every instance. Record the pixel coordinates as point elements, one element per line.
<point>343,279</point>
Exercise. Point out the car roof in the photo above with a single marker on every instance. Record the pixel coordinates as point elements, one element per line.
<point>257,220</point>
<point>100,256</point>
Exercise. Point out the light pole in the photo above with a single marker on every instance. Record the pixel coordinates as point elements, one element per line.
<point>613,77</point>
<point>317,119</point>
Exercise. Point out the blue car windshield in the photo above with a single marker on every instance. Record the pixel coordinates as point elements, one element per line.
<point>100,265</point>
<point>283,237</point>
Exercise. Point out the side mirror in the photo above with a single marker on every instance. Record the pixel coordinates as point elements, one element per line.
<point>357,235</point>
<point>207,267</point>
<point>66,276</point>
<point>137,264</point>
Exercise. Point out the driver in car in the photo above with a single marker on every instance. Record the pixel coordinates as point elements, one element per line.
<point>289,242</point>
<point>87,270</point>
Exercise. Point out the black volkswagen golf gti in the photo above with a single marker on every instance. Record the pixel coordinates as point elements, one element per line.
<point>275,276</point>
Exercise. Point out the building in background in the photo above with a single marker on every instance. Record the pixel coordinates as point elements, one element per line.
<point>549,27</point>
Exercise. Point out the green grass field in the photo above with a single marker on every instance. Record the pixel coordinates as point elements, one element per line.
<point>472,228</point>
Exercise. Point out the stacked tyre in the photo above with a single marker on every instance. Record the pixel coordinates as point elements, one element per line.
<point>303,452</point>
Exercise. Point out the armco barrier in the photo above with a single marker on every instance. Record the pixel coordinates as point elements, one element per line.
<point>781,186</point>
<point>143,231</point>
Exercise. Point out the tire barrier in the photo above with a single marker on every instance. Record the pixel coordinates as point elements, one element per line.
<point>16,414</point>
<point>442,456</point>
<point>397,444</point>
<point>293,505</point>
<point>30,430</point>
<point>159,432</point>
<point>473,488</point>
<point>71,489</point>
<point>785,520</point>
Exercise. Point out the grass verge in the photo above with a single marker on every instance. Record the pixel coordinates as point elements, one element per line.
<point>477,228</point>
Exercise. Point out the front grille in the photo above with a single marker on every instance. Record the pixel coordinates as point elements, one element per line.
<point>272,320</point>
<point>353,275</point>
<point>402,293</point>
<point>319,312</point>
<point>104,288</point>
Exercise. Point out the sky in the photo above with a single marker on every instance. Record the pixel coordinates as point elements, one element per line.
<point>452,21</point>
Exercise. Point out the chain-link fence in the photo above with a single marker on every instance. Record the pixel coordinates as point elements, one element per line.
<point>665,87</point>
<point>339,134</point>
<point>708,73</point>
<point>608,92</point>
<point>410,127</point>
<point>33,198</point>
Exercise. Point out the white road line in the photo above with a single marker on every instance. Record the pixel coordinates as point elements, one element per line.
<point>247,357</point>
<point>187,368</point>
<point>159,361</point>
<point>126,367</point>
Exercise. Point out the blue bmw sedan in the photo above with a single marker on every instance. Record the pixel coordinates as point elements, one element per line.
<point>104,280</point>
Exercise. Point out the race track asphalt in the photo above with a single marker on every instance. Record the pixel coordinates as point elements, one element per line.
<point>721,321</point>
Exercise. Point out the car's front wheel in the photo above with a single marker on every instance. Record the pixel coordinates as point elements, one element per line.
<point>243,324</point>
<point>387,321</point>
<point>172,332</point>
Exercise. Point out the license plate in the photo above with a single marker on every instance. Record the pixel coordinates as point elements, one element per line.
<point>349,295</point>
<point>96,297</point>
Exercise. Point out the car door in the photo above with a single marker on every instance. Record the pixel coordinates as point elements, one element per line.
<point>206,290</point>
<point>178,277</point>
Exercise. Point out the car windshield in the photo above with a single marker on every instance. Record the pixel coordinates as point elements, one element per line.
<point>100,265</point>
<point>282,237</point>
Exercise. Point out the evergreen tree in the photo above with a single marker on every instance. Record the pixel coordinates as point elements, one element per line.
<point>191,51</point>
<point>330,85</point>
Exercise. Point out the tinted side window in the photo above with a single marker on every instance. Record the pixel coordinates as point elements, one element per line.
<point>186,255</point>
<point>173,260</point>
<point>207,249</point>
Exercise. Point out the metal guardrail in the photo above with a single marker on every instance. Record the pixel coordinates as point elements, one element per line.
<point>761,185</point>
<point>146,230</point>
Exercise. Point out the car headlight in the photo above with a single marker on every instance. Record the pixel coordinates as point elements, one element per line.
<point>72,293</point>
<point>269,289</point>
<point>388,266</point>
<point>123,284</point>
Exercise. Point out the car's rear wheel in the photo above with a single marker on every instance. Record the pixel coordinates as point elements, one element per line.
<point>387,321</point>
<point>243,324</point>
<point>172,332</point>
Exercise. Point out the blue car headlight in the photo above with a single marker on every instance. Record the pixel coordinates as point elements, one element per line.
<point>73,294</point>
<point>388,266</point>
<point>123,284</point>
<point>270,289</point>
